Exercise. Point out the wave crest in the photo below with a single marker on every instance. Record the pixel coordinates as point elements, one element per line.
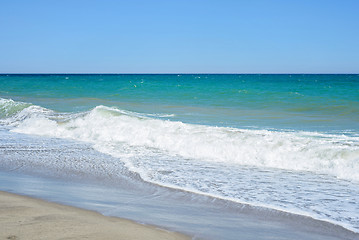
<point>9,107</point>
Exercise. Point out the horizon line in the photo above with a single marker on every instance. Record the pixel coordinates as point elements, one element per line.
<point>178,73</point>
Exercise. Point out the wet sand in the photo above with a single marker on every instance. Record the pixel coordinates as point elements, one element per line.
<point>28,218</point>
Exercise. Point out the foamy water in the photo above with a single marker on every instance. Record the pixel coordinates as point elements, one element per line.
<point>309,173</point>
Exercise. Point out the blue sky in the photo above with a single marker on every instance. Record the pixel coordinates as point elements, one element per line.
<point>179,36</point>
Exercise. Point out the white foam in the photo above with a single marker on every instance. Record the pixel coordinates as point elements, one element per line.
<point>337,155</point>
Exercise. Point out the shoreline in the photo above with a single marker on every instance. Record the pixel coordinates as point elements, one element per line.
<point>24,217</point>
<point>194,218</point>
<point>29,167</point>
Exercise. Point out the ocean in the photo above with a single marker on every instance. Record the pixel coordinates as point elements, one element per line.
<point>275,143</point>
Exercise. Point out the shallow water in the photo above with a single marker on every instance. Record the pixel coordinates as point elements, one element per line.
<point>57,170</point>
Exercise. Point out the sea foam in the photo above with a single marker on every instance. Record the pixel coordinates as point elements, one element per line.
<point>336,155</point>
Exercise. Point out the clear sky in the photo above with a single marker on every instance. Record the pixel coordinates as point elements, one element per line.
<point>179,36</point>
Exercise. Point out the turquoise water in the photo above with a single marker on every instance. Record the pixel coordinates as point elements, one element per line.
<point>287,143</point>
<point>307,102</point>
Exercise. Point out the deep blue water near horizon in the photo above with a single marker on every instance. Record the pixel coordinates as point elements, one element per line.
<point>287,142</point>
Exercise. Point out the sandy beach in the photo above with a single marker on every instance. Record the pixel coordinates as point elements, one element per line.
<point>28,218</point>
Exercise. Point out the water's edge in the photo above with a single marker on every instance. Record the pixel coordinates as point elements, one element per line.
<point>129,197</point>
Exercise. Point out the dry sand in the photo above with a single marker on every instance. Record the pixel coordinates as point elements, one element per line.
<point>28,218</point>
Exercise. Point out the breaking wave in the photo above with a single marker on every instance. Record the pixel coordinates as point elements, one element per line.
<point>333,154</point>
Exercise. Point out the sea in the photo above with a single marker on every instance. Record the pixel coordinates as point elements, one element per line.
<point>283,146</point>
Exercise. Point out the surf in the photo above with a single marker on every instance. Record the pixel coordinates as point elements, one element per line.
<point>332,154</point>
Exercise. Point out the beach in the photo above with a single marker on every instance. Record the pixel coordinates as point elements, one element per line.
<point>23,217</point>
